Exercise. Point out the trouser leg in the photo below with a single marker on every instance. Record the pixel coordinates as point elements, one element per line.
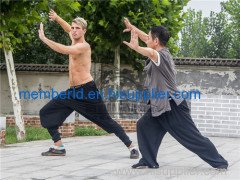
<point>54,133</point>
<point>149,134</point>
<point>97,113</point>
<point>113,127</point>
<point>52,115</point>
<point>95,110</point>
<point>179,124</point>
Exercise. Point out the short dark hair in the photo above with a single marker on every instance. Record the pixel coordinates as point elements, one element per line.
<point>161,33</point>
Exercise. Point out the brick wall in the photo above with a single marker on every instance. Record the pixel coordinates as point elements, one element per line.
<point>68,128</point>
<point>128,125</point>
<point>217,115</point>
<point>2,136</point>
<point>214,115</point>
<point>33,121</point>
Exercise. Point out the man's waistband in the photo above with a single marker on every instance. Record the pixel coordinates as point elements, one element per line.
<point>81,85</point>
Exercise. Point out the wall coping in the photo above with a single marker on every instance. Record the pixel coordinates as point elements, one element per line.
<point>178,61</point>
<point>207,62</point>
<point>38,67</point>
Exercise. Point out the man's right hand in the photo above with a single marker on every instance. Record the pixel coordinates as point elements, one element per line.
<point>129,26</point>
<point>52,15</point>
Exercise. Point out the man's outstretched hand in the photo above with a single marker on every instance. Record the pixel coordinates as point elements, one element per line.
<point>134,41</point>
<point>52,15</point>
<point>41,32</point>
<point>128,25</point>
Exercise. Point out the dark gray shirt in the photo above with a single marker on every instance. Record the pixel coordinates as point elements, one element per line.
<point>161,78</point>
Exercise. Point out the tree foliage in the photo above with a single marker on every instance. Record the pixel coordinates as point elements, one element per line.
<point>20,24</point>
<point>216,36</point>
<point>105,26</point>
<point>232,7</point>
<point>105,30</point>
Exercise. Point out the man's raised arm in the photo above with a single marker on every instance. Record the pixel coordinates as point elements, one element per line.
<point>142,35</point>
<point>54,17</point>
<point>145,51</point>
<point>75,49</point>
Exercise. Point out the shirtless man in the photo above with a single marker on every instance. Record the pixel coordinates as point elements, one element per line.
<point>53,114</point>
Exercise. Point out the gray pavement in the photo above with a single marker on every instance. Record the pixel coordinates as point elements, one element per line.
<point>106,157</point>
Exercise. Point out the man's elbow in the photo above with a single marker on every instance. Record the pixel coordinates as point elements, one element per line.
<point>69,31</point>
<point>152,53</point>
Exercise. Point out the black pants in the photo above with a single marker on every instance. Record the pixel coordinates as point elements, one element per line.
<point>53,114</point>
<point>179,124</point>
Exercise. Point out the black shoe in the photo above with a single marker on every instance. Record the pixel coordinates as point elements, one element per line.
<point>54,152</point>
<point>134,154</point>
<point>139,166</point>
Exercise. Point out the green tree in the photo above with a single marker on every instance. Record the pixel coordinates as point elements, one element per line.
<point>105,28</point>
<point>232,7</point>
<point>209,37</point>
<point>105,19</point>
<point>194,35</point>
<point>17,20</point>
<point>105,25</point>
<point>35,52</point>
<point>220,36</point>
<point>27,46</point>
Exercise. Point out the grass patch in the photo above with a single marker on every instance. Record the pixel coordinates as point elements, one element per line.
<point>89,132</point>
<point>36,133</point>
<point>33,134</point>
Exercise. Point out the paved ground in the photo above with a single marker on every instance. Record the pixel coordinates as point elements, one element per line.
<point>105,157</point>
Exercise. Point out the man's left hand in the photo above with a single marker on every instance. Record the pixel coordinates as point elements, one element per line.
<point>134,41</point>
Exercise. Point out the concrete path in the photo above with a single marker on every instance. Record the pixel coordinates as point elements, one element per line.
<point>105,157</point>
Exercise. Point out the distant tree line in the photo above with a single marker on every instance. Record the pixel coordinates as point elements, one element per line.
<point>217,36</point>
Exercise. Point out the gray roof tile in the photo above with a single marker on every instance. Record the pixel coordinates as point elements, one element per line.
<point>178,61</point>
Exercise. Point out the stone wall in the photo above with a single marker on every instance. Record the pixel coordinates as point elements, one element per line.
<point>217,115</point>
<point>34,80</point>
<point>220,79</point>
<point>208,80</point>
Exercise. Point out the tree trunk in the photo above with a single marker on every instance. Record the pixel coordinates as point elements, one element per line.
<point>117,81</point>
<point>19,122</point>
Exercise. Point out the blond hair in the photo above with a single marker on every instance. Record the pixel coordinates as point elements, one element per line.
<point>81,21</point>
